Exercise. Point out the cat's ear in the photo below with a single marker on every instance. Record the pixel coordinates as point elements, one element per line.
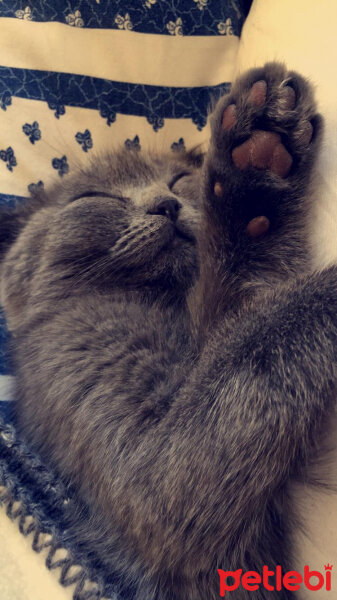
<point>195,156</point>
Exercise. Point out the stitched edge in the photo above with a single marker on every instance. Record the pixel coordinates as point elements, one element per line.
<point>18,463</point>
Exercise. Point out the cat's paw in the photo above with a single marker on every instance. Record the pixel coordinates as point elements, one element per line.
<point>269,121</point>
<point>264,133</point>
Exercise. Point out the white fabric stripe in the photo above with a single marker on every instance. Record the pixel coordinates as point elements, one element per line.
<point>123,56</point>
<point>6,387</point>
<point>58,138</point>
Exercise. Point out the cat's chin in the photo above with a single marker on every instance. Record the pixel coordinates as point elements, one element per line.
<point>182,231</point>
<point>178,241</point>
<point>177,263</point>
<point>181,237</point>
<point>181,247</point>
<point>175,267</point>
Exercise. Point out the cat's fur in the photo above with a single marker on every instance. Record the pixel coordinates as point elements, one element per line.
<point>177,378</point>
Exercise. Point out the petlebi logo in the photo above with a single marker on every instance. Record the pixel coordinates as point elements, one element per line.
<point>274,580</point>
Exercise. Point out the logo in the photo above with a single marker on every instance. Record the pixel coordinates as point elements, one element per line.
<point>291,580</point>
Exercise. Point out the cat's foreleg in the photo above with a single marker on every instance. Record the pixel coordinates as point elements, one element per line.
<point>257,179</point>
<point>248,419</point>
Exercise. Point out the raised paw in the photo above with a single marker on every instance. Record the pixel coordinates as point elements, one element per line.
<point>268,121</point>
<point>280,123</point>
<point>266,129</point>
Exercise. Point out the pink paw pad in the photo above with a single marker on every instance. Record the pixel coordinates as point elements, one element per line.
<point>306,133</point>
<point>218,189</point>
<point>257,97</point>
<point>258,226</point>
<point>263,150</point>
<point>258,93</point>
<point>288,98</point>
<point>229,117</point>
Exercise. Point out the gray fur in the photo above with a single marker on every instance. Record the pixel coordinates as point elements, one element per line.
<point>178,381</point>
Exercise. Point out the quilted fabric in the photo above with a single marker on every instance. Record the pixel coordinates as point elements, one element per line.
<point>85,76</point>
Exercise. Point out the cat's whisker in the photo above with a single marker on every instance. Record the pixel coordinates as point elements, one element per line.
<point>83,274</point>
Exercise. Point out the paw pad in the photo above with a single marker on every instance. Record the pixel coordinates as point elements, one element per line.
<point>218,189</point>
<point>258,226</point>
<point>263,150</point>
<point>288,98</point>
<point>229,117</point>
<point>305,133</point>
<point>258,94</point>
<point>257,97</point>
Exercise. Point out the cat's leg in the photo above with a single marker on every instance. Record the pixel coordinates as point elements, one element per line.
<point>257,176</point>
<point>198,451</point>
<point>247,420</point>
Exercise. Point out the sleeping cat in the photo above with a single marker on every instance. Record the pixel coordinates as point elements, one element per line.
<point>175,358</point>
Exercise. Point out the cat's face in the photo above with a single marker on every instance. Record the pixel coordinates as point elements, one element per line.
<point>127,222</point>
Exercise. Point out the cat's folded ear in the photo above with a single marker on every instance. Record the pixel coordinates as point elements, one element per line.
<point>14,219</point>
<point>195,156</point>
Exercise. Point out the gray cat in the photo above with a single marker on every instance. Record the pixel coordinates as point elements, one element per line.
<point>175,359</point>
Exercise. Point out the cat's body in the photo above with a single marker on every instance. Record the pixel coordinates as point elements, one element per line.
<point>174,365</point>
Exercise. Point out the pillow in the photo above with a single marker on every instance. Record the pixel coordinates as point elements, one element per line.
<point>83,79</point>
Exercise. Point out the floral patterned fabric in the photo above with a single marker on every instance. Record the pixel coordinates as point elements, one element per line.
<point>182,17</point>
<point>155,62</point>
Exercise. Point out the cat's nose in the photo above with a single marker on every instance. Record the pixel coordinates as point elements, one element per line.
<point>167,206</point>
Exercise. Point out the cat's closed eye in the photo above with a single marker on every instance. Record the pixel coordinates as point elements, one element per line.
<point>98,194</point>
<point>176,178</point>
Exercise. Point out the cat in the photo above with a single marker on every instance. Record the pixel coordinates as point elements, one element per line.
<point>175,356</point>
